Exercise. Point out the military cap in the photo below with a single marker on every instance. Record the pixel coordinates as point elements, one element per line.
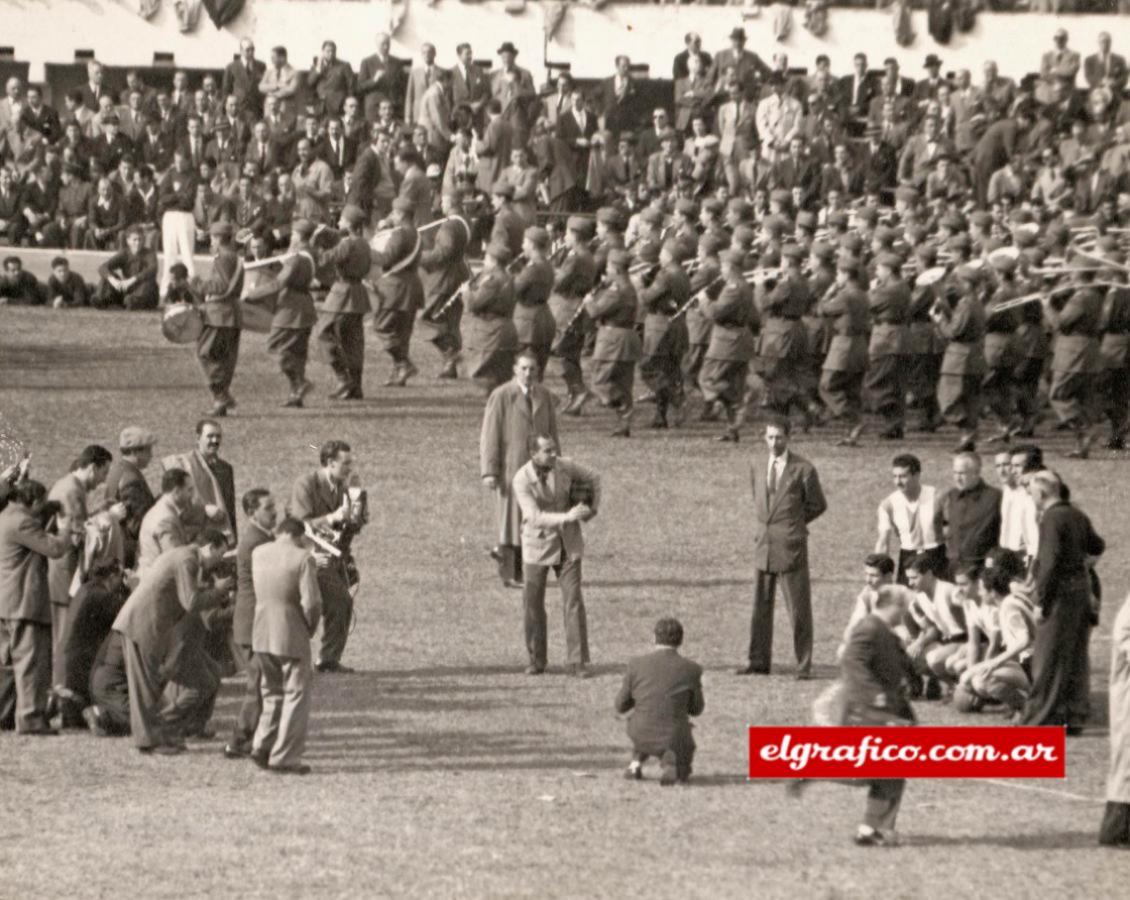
<point>852,242</point>
<point>838,219</point>
<point>743,234</point>
<point>793,251</point>
<point>740,205</point>
<point>610,216</point>
<point>674,249</point>
<point>713,205</point>
<point>647,251</point>
<point>684,206</point>
<point>848,262</point>
<point>774,224</point>
<point>537,235</point>
<point>579,224</point>
<point>734,258</point>
<point>868,214</point>
<point>906,194</point>
<point>890,260</point>
<point>618,258</point>
<point>823,250</point>
<point>960,242</point>
<point>981,218</point>
<point>651,215</point>
<point>711,242</point>
<point>884,234</point>
<point>927,255</point>
<point>1003,263</point>
<point>806,219</point>
<point>954,221</point>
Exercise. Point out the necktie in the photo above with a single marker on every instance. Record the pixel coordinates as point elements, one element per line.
<point>772,487</point>
<point>529,406</point>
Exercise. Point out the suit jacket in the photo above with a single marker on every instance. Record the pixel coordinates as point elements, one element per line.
<point>692,96</point>
<point>340,161</point>
<point>1067,538</point>
<point>366,177</point>
<point>46,122</point>
<point>332,85</point>
<point>1095,72</point>
<point>857,103</point>
<point>1088,198</point>
<point>251,536</point>
<point>737,129</point>
<point>546,535</point>
<point>621,113</point>
<point>433,111</point>
<point>664,689</point>
<point>472,89</point>
<point>680,68</point>
<point>313,498</point>
<point>781,523</point>
<point>243,82</point>
<point>376,80</point>
<point>418,84</point>
<point>214,485</point>
<point>70,494</point>
<point>750,67</point>
<point>493,152</point>
<point>168,590</point>
<point>917,160</point>
<point>657,170</point>
<point>288,600</point>
<point>874,666</point>
<point>165,527</point>
<point>24,550</point>
<point>515,94</point>
<point>265,157</point>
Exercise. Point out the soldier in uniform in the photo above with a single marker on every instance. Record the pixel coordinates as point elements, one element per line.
<point>613,307</point>
<point>1031,346</point>
<point>708,277</point>
<point>820,281</point>
<point>491,339</point>
<point>844,306</point>
<point>532,287</point>
<point>340,328</point>
<point>924,346</point>
<point>443,270</point>
<point>781,347</point>
<point>664,339</point>
<point>217,348</point>
<point>1076,363</point>
<point>574,279</point>
<point>889,305</point>
<point>1000,348</point>
<point>726,367</point>
<point>399,291</point>
<point>960,319</point>
<point>509,227</point>
<point>1115,347</point>
<point>294,314</point>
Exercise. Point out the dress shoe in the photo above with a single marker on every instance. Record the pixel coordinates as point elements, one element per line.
<point>658,422</point>
<point>1117,442</point>
<point>867,836</point>
<point>534,670</point>
<point>579,671</point>
<point>94,721</point>
<point>577,401</point>
<point>623,431</point>
<point>668,777</point>
<point>1082,448</point>
<point>513,583</point>
<point>333,668</point>
<point>236,751</point>
<point>804,675</point>
<point>301,769</point>
<point>204,734</point>
<point>260,759</point>
<point>751,670</point>
<point>496,553</point>
<point>229,400</point>
<point>448,371</point>
<point>408,370</point>
<point>292,402</point>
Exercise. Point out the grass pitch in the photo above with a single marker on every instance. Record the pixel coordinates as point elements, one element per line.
<point>440,770</point>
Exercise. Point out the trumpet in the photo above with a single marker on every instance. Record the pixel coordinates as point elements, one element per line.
<point>1024,300</point>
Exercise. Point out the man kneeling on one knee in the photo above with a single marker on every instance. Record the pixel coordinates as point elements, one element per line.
<point>664,690</point>
<point>935,622</point>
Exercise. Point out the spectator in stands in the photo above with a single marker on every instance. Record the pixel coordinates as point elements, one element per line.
<point>1101,69</point>
<point>779,118</point>
<point>40,117</point>
<point>64,287</point>
<point>280,80</point>
<point>470,87</point>
<point>331,79</point>
<point>313,185</point>
<point>128,278</point>
<point>378,77</point>
<point>12,104</point>
<point>748,67</point>
<point>93,90</point>
<point>693,93</point>
<point>39,199</point>
<point>858,89</point>
<point>105,218</point>
<point>17,287</point>
<point>242,78</point>
<point>420,78</point>
<point>513,87</point>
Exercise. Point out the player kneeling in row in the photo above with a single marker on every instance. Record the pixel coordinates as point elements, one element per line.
<point>663,690</point>
<point>935,623</point>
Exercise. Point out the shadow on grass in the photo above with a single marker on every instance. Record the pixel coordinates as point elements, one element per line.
<point>1051,840</point>
<point>668,582</point>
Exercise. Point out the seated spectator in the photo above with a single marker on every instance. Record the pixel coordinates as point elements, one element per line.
<point>17,287</point>
<point>142,209</point>
<point>12,222</point>
<point>105,218</point>
<point>129,277</point>
<point>179,289</point>
<point>64,287</point>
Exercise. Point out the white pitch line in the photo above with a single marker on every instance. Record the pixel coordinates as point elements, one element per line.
<point>1043,790</point>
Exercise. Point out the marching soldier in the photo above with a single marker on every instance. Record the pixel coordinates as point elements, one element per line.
<point>888,304</point>
<point>294,313</point>
<point>340,327</point>
<point>726,366</point>
<point>664,339</point>
<point>1115,348</point>
<point>575,278</point>
<point>708,273</point>
<point>1000,348</point>
<point>491,339</point>
<point>217,348</point>
<point>509,226</point>
<point>399,291</point>
<point>1076,363</point>
<point>823,257</point>
<point>960,319</point>
<point>924,346</point>
<point>844,306</point>
<point>443,270</point>
<point>610,228</point>
<point>781,346</point>
<point>532,287</point>
<point>1031,344</point>
<point>613,307</point>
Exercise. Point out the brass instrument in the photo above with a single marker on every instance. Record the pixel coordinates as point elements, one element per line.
<point>685,308</point>
<point>1040,295</point>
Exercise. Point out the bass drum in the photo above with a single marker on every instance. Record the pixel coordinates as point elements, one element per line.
<point>182,323</point>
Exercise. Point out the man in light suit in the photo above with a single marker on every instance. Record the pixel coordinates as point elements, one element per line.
<point>433,111</point>
<point>1056,64</point>
<point>420,78</point>
<point>555,496</point>
<point>662,690</point>
<point>322,500</point>
<point>173,520</point>
<point>786,498</point>
<point>170,589</point>
<point>515,412</point>
<point>287,609</point>
<point>737,132</point>
<point>213,477</point>
<point>377,77</point>
<point>258,529</point>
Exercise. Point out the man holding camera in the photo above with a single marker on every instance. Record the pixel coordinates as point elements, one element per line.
<point>325,500</point>
<point>555,495</point>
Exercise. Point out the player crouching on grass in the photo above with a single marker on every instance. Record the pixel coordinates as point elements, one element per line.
<point>663,690</point>
<point>935,622</point>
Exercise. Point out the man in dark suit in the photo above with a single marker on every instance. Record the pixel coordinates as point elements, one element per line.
<point>242,77</point>
<point>1102,69</point>
<point>663,690</point>
<point>470,86</point>
<point>549,491</point>
<point>366,175</point>
<point>126,482</point>
<point>748,67</point>
<point>618,99</point>
<point>331,79</point>
<point>262,151</point>
<point>258,528</point>
<point>323,500</point>
<point>692,42</point>
<point>858,89</point>
<point>378,77</point>
<point>786,498</point>
<point>1065,605</point>
<point>213,478</point>
<point>337,149</point>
